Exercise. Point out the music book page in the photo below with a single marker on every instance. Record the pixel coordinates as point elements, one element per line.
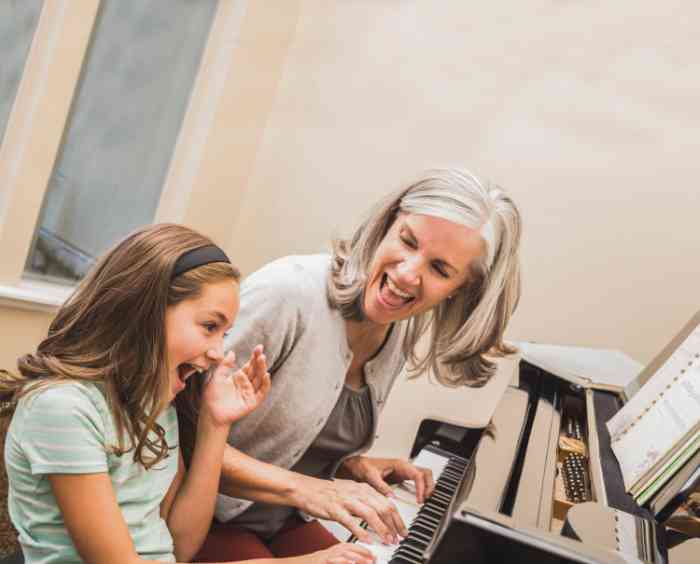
<point>662,414</point>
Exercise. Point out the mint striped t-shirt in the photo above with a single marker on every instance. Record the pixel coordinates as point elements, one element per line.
<point>68,429</point>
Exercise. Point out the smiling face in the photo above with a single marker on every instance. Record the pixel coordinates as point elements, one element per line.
<point>195,328</point>
<point>420,262</point>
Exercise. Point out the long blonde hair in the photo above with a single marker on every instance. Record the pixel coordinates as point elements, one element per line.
<point>469,327</point>
<point>112,331</point>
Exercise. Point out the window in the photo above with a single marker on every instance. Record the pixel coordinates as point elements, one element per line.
<point>18,21</point>
<point>125,115</point>
<point>127,110</point>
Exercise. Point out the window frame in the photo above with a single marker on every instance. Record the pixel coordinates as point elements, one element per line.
<point>226,109</point>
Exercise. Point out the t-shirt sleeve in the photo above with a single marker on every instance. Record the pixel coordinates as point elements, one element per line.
<point>63,432</point>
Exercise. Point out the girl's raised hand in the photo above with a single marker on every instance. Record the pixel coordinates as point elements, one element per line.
<point>231,394</point>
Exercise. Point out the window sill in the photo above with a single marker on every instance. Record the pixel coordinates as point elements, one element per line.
<point>34,295</point>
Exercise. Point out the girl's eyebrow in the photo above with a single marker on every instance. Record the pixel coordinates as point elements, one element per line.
<point>220,316</point>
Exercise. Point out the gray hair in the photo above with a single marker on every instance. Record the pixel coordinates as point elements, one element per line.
<point>469,326</point>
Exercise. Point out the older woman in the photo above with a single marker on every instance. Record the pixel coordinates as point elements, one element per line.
<point>439,257</point>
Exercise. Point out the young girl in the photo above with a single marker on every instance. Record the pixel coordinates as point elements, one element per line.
<point>92,452</point>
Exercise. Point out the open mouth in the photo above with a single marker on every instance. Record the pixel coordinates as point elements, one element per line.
<point>185,370</point>
<point>392,294</point>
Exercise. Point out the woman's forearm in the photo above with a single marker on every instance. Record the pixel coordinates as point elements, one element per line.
<point>339,500</point>
<point>193,508</point>
<point>245,477</point>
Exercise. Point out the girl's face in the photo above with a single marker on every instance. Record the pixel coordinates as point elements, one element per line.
<point>420,262</point>
<point>194,331</point>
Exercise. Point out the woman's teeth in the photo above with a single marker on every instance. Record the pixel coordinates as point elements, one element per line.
<point>395,289</point>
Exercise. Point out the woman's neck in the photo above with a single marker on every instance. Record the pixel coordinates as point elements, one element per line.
<point>365,338</point>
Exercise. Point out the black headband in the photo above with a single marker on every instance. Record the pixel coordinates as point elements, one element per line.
<point>198,257</point>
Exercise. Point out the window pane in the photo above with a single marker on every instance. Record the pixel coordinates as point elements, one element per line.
<point>127,111</point>
<point>18,21</point>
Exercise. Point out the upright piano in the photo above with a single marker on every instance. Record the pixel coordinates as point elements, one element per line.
<point>539,484</point>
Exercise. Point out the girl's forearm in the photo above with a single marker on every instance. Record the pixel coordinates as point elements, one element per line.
<point>193,508</point>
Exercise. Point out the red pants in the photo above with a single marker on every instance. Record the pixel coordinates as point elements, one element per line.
<point>227,542</point>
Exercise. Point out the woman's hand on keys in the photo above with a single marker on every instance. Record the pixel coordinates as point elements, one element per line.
<point>348,502</point>
<point>380,472</point>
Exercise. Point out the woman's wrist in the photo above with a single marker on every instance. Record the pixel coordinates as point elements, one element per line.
<point>350,468</point>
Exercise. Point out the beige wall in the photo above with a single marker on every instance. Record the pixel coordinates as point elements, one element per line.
<point>586,112</point>
<point>20,332</point>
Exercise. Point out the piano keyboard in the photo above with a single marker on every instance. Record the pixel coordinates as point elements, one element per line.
<point>422,521</point>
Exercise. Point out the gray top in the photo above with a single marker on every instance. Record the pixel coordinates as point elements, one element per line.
<point>284,306</point>
<point>347,430</point>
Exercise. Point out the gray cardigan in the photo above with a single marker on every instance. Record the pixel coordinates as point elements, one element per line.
<point>284,307</point>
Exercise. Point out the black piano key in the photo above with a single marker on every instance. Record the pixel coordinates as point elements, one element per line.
<point>416,542</point>
<point>427,520</point>
<point>428,516</point>
<point>449,482</point>
<point>421,536</point>
<point>426,523</point>
<point>405,549</point>
<point>412,547</point>
<point>432,511</point>
<point>440,506</point>
<point>449,474</point>
<point>427,533</point>
<point>441,497</point>
<point>444,488</point>
<point>408,559</point>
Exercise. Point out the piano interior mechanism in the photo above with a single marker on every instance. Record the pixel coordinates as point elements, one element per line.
<point>540,484</point>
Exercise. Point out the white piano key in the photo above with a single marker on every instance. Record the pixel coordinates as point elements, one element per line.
<point>431,460</point>
<point>382,552</point>
<point>408,508</point>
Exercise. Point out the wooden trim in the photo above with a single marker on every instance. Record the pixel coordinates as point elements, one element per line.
<point>225,122</point>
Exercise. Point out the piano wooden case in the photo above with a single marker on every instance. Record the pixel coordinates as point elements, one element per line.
<point>540,484</point>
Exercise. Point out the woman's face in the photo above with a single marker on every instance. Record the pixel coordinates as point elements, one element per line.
<point>195,330</point>
<point>420,262</point>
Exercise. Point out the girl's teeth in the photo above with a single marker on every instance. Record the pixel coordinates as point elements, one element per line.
<point>185,371</point>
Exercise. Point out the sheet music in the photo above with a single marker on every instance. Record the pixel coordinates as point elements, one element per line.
<point>660,414</point>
